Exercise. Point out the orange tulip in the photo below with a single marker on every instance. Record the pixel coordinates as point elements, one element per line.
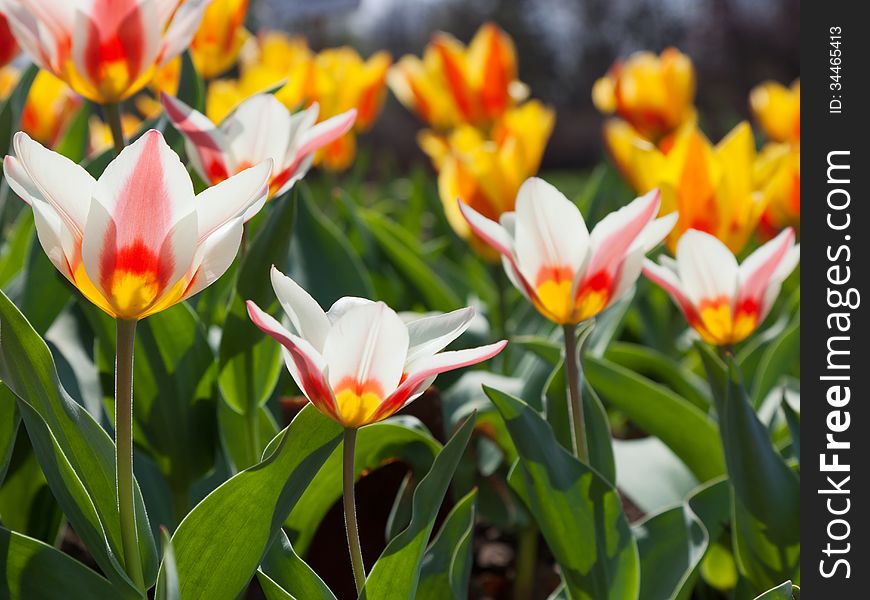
<point>778,110</point>
<point>453,84</point>
<point>720,190</point>
<point>654,94</point>
<point>487,172</point>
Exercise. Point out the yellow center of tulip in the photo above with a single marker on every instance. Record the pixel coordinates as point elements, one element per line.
<point>554,299</point>
<point>591,303</point>
<point>356,402</point>
<point>719,325</point>
<point>132,292</point>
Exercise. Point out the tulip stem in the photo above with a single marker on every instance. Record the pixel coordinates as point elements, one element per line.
<point>575,398</point>
<point>126,335</point>
<point>526,563</point>
<point>113,118</point>
<point>359,570</point>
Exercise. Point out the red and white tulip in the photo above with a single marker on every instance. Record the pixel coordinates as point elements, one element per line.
<point>261,127</point>
<point>723,301</point>
<point>569,274</point>
<point>136,240</point>
<point>106,50</point>
<point>359,362</point>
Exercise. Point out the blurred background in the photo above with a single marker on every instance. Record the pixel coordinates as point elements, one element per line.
<point>563,46</point>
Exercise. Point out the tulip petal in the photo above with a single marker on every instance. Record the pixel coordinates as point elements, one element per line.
<point>365,351</point>
<point>304,363</point>
<point>501,240</point>
<point>326,132</point>
<point>206,146</point>
<point>612,237</point>
<point>179,33</point>
<point>758,269</point>
<point>427,369</point>
<point>214,256</point>
<point>432,334</point>
<point>489,231</point>
<point>667,279</point>
<point>146,190</point>
<point>344,304</point>
<point>242,195</point>
<point>37,172</point>
<point>707,268</point>
<point>258,129</point>
<point>657,230</point>
<point>305,314</point>
<point>550,231</point>
<point>51,231</point>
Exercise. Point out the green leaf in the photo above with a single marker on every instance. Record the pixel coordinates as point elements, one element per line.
<point>594,416</point>
<point>778,359</point>
<point>671,545</point>
<point>785,591</point>
<point>15,251</point>
<point>578,511</point>
<point>174,390</point>
<point>76,138</point>
<point>33,570</point>
<point>375,445</point>
<point>10,109</point>
<point>447,563</point>
<point>658,366</point>
<point>766,501</point>
<point>26,504</point>
<point>235,434</point>
<point>283,575</point>
<point>191,89</point>
<point>396,574</point>
<point>249,361</point>
<point>650,474</point>
<point>408,259</point>
<point>685,429</point>
<point>45,291</point>
<point>76,455</point>
<point>168,586</point>
<point>9,419</point>
<point>222,540</point>
<point>322,261</point>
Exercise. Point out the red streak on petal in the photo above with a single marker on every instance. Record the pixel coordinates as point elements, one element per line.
<point>370,386</point>
<point>557,274</point>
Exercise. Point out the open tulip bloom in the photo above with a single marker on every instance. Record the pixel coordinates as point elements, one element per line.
<point>260,128</point>
<point>137,240</point>
<point>567,273</point>
<point>106,50</point>
<point>723,301</point>
<point>134,242</point>
<point>359,363</point>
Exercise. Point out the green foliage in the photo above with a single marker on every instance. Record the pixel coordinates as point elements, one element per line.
<point>396,574</point>
<point>447,563</point>
<point>76,455</point>
<point>578,511</point>
<point>228,533</point>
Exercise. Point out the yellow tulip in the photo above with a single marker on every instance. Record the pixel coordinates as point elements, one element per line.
<point>452,85</point>
<point>338,79</point>
<point>720,190</point>
<point>654,94</point>
<point>49,107</point>
<point>779,165</point>
<point>777,110</point>
<point>216,44</point>
<point>487,172</point>
<point>8,78</point>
